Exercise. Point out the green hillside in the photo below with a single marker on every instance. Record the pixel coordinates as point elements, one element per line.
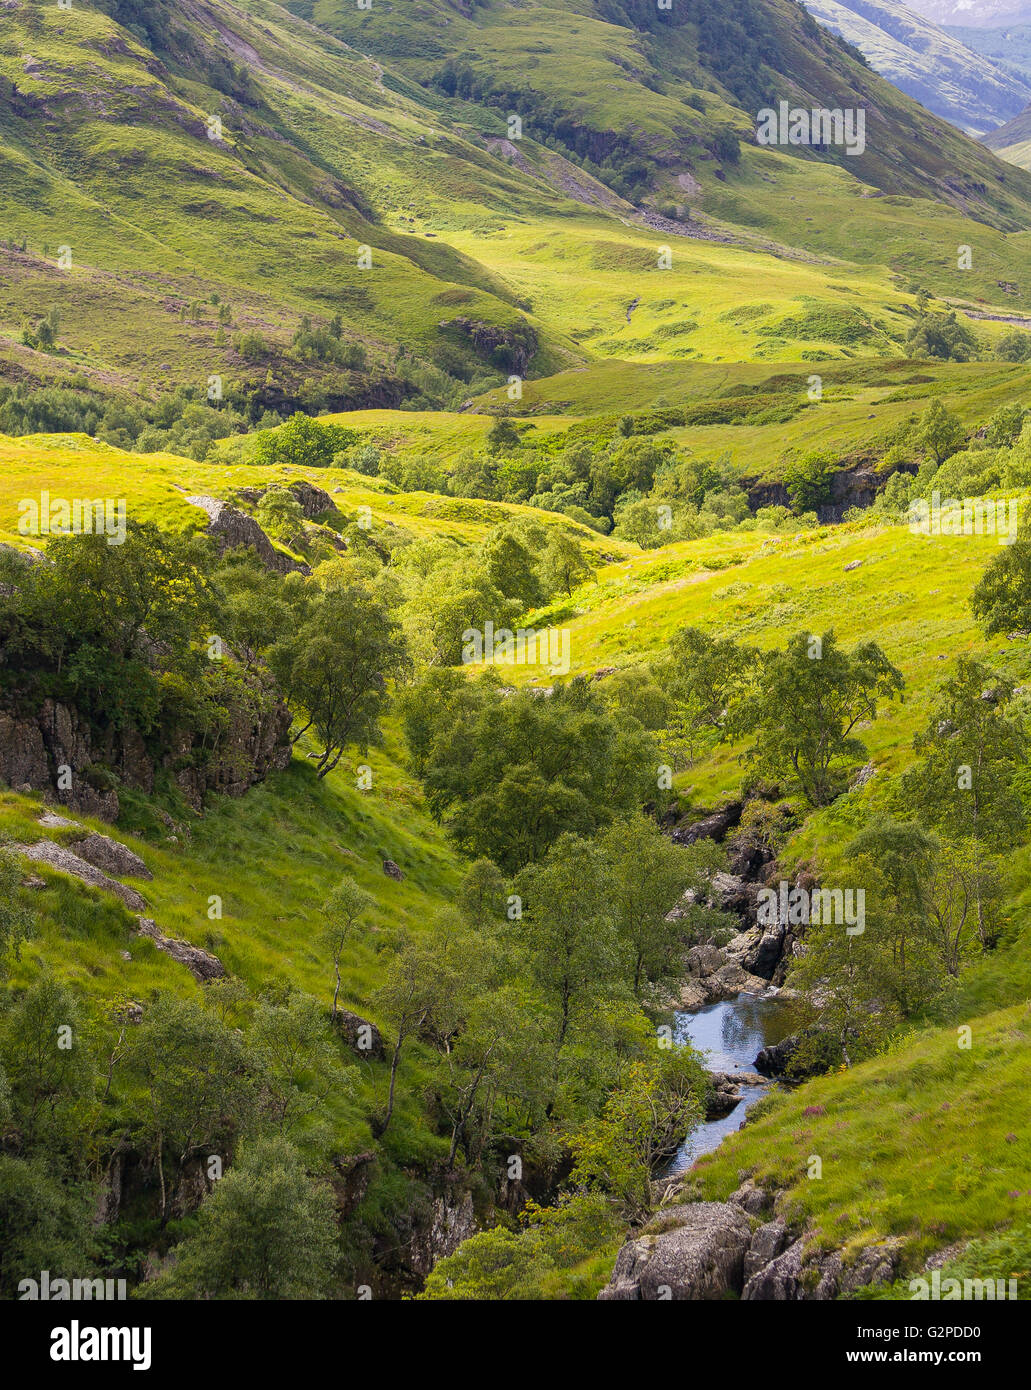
<point>462,551</point>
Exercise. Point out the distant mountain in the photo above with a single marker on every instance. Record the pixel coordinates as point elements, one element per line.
<point>932,66</point>
<point>975,13</point>
<point>1009,48</point>
<point>1013,140</point>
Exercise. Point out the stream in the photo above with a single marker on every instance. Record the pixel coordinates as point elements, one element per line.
<point>730,1034</point>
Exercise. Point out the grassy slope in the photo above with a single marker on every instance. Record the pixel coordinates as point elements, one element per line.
<point>155,487</point>
<point>863,404</point>
<point>927,1142</point>
<point>272,856</point>
<point>104,150</point>
<point>264,218</point>
<point>914,1143</point>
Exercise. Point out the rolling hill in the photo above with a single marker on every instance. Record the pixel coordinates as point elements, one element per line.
<point>354,183</point>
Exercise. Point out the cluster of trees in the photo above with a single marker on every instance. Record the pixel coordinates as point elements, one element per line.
<point>930,865</point>
<point>441,589</point>
<point>946,336</point>
<point>937,452</point>
<point>124,633</point>
<point>628,477</point>
<point>188,1091</point>
<point>795,711</point>
<point>180,422</point>
<point>613,476</point>
<point>529,993</point>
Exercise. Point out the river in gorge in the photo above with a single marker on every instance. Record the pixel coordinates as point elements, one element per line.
<point>730,1035</point>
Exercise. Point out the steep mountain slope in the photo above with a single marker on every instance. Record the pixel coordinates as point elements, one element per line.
<point>734,57</point>
<point>107,150</point>
<point>1009,48</point>
<point>926,63</point>
<point>1012,141</point>
<point>384,191</point>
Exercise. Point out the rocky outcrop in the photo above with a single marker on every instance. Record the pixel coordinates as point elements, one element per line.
<point>712,827</point>
<point>713,1250</point>
<point>350,1181</point>
<point>202,965</point>
<point>449,1221</point>
<point>315,501</point>
<point>719,972</point>
<point>111,857</point>
<point>773,1060</point>
<point>693,1252</point>
<point>766,1244</point>
<point>392,870</point>
<point>58,857</point>
<point>231,528</point>
<point>512,348</point>
<point>802,1272</point>
<point>759,957</point>
<point>60,753</point>
<point>360,1035</point>
<point>724,1092</point>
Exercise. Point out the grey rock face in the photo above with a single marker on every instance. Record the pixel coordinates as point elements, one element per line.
<point>201,964</point>
<point>57,857</point>
<point>232,528</point>
<point>709,1250</point>
<point>713,827</point>
<point>111,856</point>
<point>34,750</point>
<point>368,1044</point>
<point>684,1253</point>
<point>314,500</point>
<point>767,1243</point>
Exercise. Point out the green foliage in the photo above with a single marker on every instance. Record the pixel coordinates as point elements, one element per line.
<point>335,667</point>
<point>501,1264</point>
<point>201,1085</point>
<point>1001,601</point>
<point>943,336</point>
<point>806,703</point>
<point>303,443</point>
<point>647,875</point>
<point>809,480</point>
<point>344,909</point>
<point>563,565</point>
<point>569,936</point>
<point>16,920</point>
<point>700,677</point>
<point>644,1119</point>
<point>267,1231</point>
<point>971,754</point>
<point>940,433</point>
<point>280,515</point>
<point>45,1224</point>
<point>513,773</point>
